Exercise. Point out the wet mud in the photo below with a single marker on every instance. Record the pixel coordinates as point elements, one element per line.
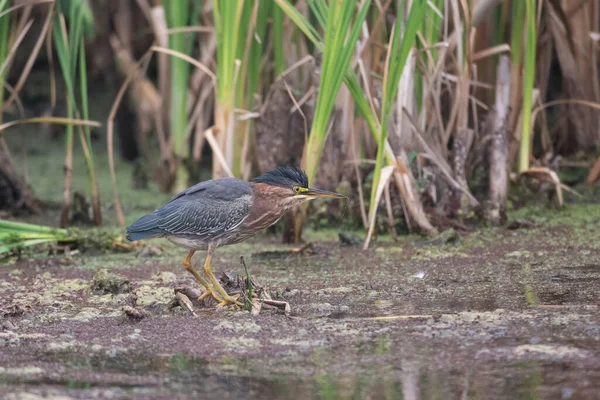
<point>497,314</point>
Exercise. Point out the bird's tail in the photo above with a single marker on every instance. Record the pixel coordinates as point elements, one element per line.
<point>143,228</point>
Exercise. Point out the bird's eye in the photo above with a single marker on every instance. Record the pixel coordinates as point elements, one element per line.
<point>296,189</point>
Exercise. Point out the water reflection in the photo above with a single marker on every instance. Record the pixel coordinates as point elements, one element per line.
<point>370,370</point>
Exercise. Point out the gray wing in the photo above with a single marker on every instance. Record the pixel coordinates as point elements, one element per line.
<point>210,210</point>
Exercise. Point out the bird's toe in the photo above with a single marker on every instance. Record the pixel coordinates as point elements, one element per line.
<point>230,300</point>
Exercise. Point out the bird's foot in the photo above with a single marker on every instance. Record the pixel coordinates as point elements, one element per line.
<point>210,292</point>
<point>229,300</point>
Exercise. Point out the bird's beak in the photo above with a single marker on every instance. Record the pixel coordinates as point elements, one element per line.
<point>322,194</point>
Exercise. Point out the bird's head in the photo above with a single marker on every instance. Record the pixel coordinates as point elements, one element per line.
<point>290,186</point>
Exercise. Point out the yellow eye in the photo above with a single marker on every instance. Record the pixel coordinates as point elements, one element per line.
<point>297,189</point>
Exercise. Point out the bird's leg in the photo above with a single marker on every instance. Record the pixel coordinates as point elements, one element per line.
<point>208,271</point>
<point>187,264</point>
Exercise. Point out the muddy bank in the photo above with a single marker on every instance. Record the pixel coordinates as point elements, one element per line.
<point>495,313</point>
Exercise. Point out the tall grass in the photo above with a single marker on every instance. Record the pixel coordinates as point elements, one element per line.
<point>178,15</point>
<point>255,21</point>
<point>443,93</point>
<point>342,22</point>
<point>398,50</point>
<point>228,23</point>
<point>69,32</point>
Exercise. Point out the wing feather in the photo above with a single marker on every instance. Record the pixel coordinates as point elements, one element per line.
<point>209,211</point>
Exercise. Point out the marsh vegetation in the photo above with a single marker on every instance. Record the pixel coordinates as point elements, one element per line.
<point>464,133</point>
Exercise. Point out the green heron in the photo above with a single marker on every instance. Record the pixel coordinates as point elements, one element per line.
<point>225,211</point>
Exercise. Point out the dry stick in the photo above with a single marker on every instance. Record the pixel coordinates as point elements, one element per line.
<point>195,63</point>
<point>404,182</point>
<point>24,4</point>
<point>146,99</point>
<point>474,101</point>
<point>207,53</point>
<point>14,46</point>
<point>549,176</point>
<point>187,58</point>
<point>361,200</point>
<point>110,136</point>
<point>491,51</point>
<point>434,89</point>
<point>440,162</point>
<point>453,78</point>
<point>386,174</point>
<point>18,101</point>
<point>404,98</point>
<point>95,189</point>
<point>31,60</point>
<point>214,145</point>
<point>304,119</point>
<point>158,22</point>
<point>51,70</point>
<point>185,302</point>
<point>595,171</point>
<point>195,121</point>
<point>498,146</point>
<point>51,120</point>
<point>190,29</point>
<point>454,113</point>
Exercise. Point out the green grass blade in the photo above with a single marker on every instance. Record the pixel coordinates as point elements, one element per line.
<point>528,83</point>
<point>341,34</point>
<point>301,22</point>
<point>177,13</point>
<point>278,49</point>
<point>399,50</point>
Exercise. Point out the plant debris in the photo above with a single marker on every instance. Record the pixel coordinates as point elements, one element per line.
<point>236,285</point>
<point>307,249</point>
<point>185,302</point>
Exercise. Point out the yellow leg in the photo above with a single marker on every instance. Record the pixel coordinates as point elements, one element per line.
<point>187,263</point>
<point>227,299</point>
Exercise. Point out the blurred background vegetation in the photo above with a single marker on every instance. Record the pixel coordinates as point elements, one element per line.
<point>427,114</point>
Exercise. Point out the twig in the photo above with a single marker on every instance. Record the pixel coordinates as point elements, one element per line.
<point>284,305</point>
<point>185,302</point>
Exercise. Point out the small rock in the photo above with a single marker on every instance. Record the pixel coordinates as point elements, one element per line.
<point>8,326</point>
<point>107,282</point>
<point>349,240</point>
<point>135,314</point>
<point>165,277</point>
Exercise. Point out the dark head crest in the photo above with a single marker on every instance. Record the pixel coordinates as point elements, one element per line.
<point>286,177</point>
